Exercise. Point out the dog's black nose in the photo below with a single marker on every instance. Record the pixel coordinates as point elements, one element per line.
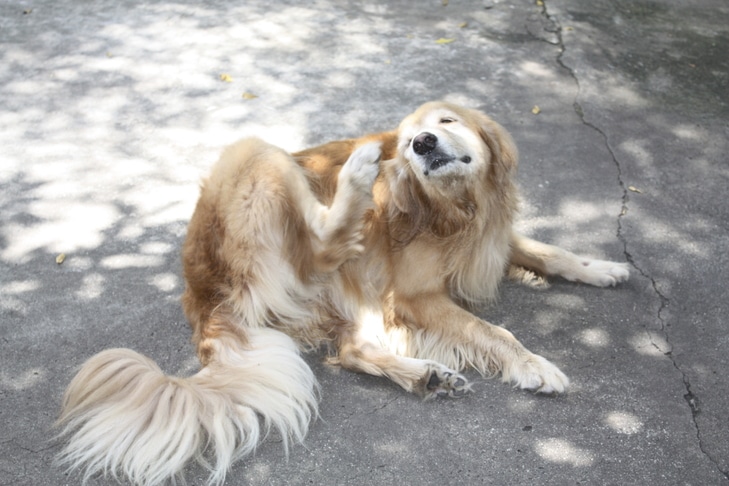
<point>424,143</point>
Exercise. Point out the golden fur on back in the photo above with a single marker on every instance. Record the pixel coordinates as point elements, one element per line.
<point>377,246</point>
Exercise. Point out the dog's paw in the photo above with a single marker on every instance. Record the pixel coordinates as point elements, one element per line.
<point>363,165</point>
<point>536,374</point>
<point>601,273</point>
<point>443,382</point>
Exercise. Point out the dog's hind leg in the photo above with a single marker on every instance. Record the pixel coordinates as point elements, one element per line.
<point>551,260</point>
<point>338,227</point>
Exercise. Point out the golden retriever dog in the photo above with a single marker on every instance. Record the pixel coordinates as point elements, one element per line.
<point>376,246</point>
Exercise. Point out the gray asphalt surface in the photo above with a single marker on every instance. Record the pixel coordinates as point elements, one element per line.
<point>111,111</point>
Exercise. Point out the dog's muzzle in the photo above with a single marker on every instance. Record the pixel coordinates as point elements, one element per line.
<point>424,143</point>
<point>426,146</point>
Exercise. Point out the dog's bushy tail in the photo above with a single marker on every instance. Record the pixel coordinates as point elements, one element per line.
<point>124,417</point>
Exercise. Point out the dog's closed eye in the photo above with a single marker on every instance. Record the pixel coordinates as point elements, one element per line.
<point>447,120</point>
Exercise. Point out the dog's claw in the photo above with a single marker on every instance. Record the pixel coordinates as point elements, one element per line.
<point>442,382</point>
<point>362,167</point>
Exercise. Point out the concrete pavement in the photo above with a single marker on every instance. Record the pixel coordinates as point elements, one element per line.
<point>111,111</point>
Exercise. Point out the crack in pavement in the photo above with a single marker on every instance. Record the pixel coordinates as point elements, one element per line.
<point>373,410</point>
<point>691,399</point>
<point>387,403</point>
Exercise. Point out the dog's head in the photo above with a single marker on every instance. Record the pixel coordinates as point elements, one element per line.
<point>454,152</point>
<point>452,164</point>
<point>444,142</point>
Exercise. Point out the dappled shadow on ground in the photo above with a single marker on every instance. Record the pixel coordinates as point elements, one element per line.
<point>113,111</point>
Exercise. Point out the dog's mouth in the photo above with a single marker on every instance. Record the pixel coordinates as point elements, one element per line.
<point>436,161</point>
<point>433,156</point>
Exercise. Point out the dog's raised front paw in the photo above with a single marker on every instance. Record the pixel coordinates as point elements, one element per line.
<point>537,374</point>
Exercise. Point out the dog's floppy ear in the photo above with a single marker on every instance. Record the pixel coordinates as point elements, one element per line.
<point>504,155</point>
<point>408,206</point>
<point>402,185</point>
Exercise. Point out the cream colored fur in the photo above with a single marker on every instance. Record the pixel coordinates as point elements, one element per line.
<point>127,418</point>
<point>376,246</point>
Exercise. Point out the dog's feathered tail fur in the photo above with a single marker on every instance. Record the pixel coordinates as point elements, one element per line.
<point>124,416</point>
<point>327,246</point>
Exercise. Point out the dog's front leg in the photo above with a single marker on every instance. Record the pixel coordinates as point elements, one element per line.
<point>365,349</point>
<point>551,260</point>
<point>444,331</point>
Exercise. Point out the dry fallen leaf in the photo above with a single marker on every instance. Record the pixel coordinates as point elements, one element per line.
<point>249,96</point>
<point>443,40</point>
<point>536,110</point>
<point>226,77</point>
<point>540,3</point>
<point>634,189</point>
<point>60,258</point>
<point>463,25</point>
